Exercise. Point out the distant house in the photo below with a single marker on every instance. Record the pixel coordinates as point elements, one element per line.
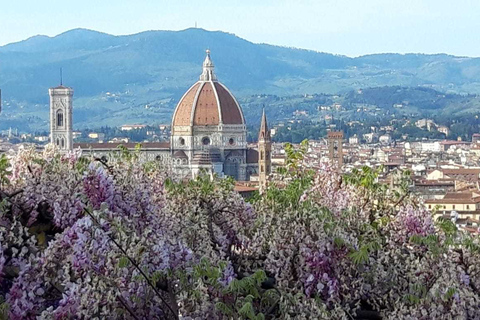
<point>444,129</point>
<point>476,137</point>
<point>433,146</point>
<point>97,135</point>
<point>422,123</point>
<point>353,140</point>
<point>462,174</point>
<point>128,127</point>
<point>465,203</point>
<point>370,137</point>
<point>385,139</point>
<point>41,138</point>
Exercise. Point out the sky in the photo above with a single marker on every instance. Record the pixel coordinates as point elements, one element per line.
<point>348,27</point>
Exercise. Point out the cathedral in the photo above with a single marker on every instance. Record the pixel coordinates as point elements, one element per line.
<point>208,133</point>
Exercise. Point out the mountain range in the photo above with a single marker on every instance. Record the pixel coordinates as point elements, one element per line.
<point>140,77</point>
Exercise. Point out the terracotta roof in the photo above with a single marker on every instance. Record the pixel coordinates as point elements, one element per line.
<point>453,201</point>
<point>435,183</point>
<point>204,98</point>
<point>456,198</point>
<point>231,113</point>
<point>130,145</point>
<point>183,113</point>
<point>458,195</point>
<point>207,102</point>
<point>453,142</point>
<point>461,171</point>
<point>206,108</point>
<point>241,189</point>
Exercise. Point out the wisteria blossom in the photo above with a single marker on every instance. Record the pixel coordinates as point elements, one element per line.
<point>81,238</point>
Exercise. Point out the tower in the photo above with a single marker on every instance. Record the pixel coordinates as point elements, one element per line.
<point>61,103</point>
<point>264,153</point>
<point>335,148</point>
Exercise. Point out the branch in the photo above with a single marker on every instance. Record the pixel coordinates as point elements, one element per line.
<point>127,307</point>
<point>105,164</point>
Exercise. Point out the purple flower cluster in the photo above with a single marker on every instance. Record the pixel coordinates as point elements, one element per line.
<point>25,295</point>
<point>319,278</point>
<point>411,221</point>
<point>99,187</point>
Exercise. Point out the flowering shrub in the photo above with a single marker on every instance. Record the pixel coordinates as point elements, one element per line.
<point>81,238</point>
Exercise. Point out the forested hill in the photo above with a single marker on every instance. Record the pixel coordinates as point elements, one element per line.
<point>139,78</point>
<point>168,61</point>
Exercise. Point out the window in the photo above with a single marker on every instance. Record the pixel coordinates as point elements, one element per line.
<point>231,141</point>
<point>468,206</point>
<point>429,206</point>
<point>59,118</point>
<point>261,155</point>
<point>181,141</point>
<point>63,143</point>
<point>205,141</point>
<point>453,207</point>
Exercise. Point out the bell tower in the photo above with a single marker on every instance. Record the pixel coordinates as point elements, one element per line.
<point>264,153</point>
<point>61,105</point>
<point>335,148</point>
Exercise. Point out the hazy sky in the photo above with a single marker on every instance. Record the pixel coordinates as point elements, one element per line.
<point>352,27</point>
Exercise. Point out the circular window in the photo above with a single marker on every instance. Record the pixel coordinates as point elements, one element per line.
<point>231,141</point>
<point>206,141</point>
<point>182,141</point>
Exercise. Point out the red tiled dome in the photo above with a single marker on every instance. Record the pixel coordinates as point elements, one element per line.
<point>207,102</point>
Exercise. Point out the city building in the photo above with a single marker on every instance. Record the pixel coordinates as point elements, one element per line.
<point>353,140</point>
<point>208,133</point>
<point>335,148</point>
<point>128,127</point>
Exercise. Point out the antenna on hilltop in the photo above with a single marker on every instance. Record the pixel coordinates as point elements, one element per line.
<point>61,77</point>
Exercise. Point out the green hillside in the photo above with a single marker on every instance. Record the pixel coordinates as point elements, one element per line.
<point>140,77</point>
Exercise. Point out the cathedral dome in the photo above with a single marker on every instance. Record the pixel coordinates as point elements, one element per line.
<point>208,102</point>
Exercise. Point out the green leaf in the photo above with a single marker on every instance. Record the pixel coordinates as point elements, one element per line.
<point>123,262</point>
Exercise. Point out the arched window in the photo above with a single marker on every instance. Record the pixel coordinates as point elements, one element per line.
<point>58,142</point>
<point>59,118</point>
<point>63,143</point>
